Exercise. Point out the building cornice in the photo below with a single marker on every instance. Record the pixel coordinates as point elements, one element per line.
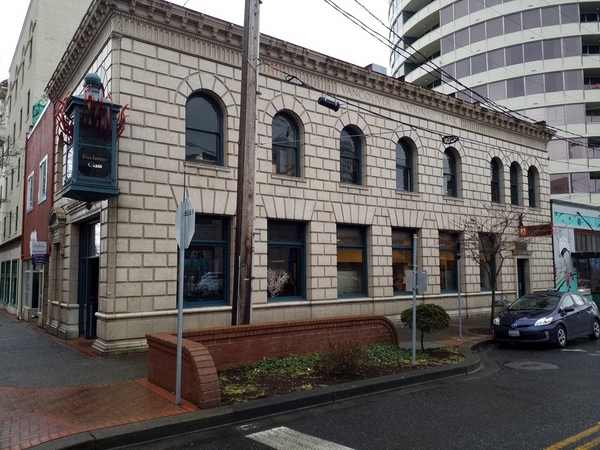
<point>186,29</point>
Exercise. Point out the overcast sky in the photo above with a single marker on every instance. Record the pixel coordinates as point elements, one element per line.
<point>313,24</point>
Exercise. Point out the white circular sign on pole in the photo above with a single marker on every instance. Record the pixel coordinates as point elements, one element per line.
<point>185,222</point>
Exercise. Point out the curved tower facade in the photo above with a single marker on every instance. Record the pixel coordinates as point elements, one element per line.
<point>539,60</point>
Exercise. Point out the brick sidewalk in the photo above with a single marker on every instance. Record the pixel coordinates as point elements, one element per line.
<point>31,416</point>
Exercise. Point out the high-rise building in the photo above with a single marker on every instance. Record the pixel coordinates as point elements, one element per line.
<point>536,60</point>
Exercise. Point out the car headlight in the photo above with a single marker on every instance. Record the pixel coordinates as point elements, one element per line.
<point>497,321</point>
<point>543,321</point>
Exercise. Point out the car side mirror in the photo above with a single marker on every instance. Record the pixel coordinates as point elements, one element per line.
<point>569,309</point>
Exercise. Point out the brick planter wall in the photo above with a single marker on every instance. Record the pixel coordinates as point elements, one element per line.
<point>210,350</point>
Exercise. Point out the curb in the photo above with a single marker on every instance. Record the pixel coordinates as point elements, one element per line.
<point>168,427</point>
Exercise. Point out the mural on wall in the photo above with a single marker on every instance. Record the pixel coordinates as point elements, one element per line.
<point>564,269</point>
<point>38,109</point>
<point>571,274</point>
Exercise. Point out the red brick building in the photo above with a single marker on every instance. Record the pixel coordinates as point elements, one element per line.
<point>37,203</point>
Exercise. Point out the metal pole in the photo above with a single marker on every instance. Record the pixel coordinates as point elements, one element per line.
<point>459,300</point>
<point>244,227</point>
<point>414,305</point>
<point>182,233</point>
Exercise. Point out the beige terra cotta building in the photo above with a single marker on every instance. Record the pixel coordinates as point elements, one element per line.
<point>339,194</point>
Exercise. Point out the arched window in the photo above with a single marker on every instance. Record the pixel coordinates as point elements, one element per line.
<point>450,182</point>
<point>532,184</point>
<point>515,191</point>
<point>286,146</point>
<point>404,166</point>
<point>350,156</point>
<point>203,130</point>
<point>495,170</point>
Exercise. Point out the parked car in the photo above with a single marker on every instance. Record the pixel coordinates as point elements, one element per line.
<point>552,317</point>
<point>210,283</point>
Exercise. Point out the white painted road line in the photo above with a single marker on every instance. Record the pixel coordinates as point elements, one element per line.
<point>283,438</point>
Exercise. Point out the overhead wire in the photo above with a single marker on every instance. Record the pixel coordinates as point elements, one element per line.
<point>488,102</point>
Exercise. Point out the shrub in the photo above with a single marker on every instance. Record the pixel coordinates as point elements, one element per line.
<point>430,318</point>
<point>342,357</point>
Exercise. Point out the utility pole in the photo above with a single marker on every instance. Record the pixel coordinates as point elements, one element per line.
<point>244,225</point>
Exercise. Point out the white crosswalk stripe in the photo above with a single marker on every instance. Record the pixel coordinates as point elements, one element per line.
<point>283,438</point>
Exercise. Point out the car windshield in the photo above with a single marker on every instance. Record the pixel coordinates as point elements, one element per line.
<point>535,302</point>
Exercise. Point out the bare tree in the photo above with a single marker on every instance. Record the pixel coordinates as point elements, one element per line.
<point>489,239</point>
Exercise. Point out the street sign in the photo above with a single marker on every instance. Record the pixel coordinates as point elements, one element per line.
<point>185,218</point>
<point>37,248</point>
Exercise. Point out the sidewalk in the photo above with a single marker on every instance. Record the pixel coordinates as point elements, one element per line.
<point>57,394</point>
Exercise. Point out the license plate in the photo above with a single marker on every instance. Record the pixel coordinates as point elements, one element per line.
<point>513,333</point>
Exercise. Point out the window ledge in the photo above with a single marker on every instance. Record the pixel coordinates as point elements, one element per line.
<point>454,200</point>
<point>408,194</point>
<point>204,166</point>
<point>292,178</point>
<point>349,187</point>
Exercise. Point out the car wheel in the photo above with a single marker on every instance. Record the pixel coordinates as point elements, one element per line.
<point>204,291</point>
<point>561,336</point>
<point>595,330</point>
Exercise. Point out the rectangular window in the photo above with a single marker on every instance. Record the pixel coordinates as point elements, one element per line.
<point>30,187</point>
<point>571,46</point>
<point>552,49</point>
<point>555,115</point>
<point>532,51</point>
<point>569,13</point>
<point>461,38</point>
<point>580,183</point>
<point>515,88</point>
<point>531,19</point>
<point>461,9</point>
<point>475,5</point>
<point>573,81</point>
<point>495,59</point>
<point>447,44</point>
<point>534,84</point>
<point>463,68</point>
<point>449,246</point>
<point>402,258</point>
<point>206,272</point>
<point>3,282</point>
<point>595,182</point>
<point>512,23</point>
<point>559,184</point>
<point>514,55</point>
<point>446,15</point>
<point>43,179</point>
<point>497,90</point>
<point>351,261</point>
<point>478,64</point>
<point>285,260</point>
<point>550,16</point>
<point>494,28</point>
<point>554,81</point>
<point>477,32</point>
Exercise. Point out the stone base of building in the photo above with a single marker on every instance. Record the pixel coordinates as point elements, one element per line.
<point>120,347</point>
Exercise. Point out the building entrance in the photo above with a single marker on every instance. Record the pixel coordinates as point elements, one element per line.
<point>523,276</point>
<point>89,268</point>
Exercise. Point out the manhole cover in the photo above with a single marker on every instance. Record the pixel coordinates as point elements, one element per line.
<point>530,365</point>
